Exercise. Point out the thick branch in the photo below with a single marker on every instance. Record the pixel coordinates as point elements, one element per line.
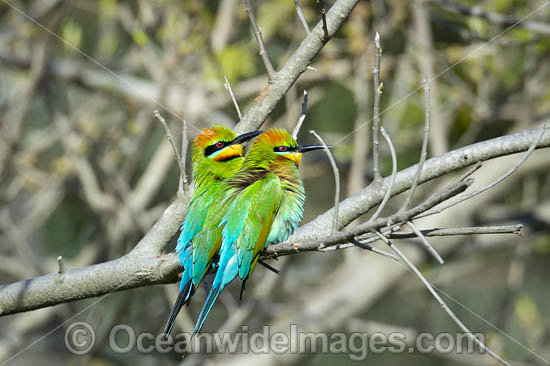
<point>143,266</point>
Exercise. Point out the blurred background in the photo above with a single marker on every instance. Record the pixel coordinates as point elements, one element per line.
<point>85,169</point>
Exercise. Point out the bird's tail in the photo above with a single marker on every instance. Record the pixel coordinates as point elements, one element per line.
<point>208,303</point>
<point>183,298</point>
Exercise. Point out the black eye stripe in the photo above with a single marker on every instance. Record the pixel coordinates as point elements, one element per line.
<point>213,148</point>
<point>285,148</point>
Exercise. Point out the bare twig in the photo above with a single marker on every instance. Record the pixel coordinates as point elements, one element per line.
<point>294,67</point>
<point>301,16</point>
<point>491,185</point>
<point>336,181</point>
<point>60,265</point>
<point>424,151</point>
<point>365,246</point>
<point>228,88</point>
<point>393,175</point>
<point>326,36</point>
<point>143,266</point>
<point>173,143</point>
<point>263,53</point>
<point>440,300</point>
<point>302,117</point>
<point>184,185</point>
<point>474,230</point>
<point>425,242</point>
<point>376,109</point>
<point>345,235</point>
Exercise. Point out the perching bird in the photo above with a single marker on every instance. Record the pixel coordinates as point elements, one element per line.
<point>262,203</point>
<point>217,155</point>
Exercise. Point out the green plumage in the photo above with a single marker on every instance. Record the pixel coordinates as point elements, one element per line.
<point>262,203</point>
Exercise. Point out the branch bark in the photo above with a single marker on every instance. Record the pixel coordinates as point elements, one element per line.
<point>143,266</point>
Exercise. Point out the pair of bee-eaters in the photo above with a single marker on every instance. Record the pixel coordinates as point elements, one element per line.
<point>240,206</point>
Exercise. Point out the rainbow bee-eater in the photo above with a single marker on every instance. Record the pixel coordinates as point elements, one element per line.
<point>217,154</point>
<point>262,203</point>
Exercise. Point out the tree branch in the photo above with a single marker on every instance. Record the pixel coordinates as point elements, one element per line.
<point>143,266</point>
<point>295,66</point>
<point>263,53</point>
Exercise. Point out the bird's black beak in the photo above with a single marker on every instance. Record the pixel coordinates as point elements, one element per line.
<point>245,137</point>
<point>306,148</point>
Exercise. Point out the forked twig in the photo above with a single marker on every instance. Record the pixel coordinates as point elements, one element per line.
<point>336,181</point>
<point>425,242</point>
<point>494,183</point>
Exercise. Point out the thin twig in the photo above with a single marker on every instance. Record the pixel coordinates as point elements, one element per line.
<point>424,152</point>
<point>440,300</point>
<point>494,183</point>
<point>184,186</point>
<point>326,36</point>
<point>376,109</point>
<point>365,246</point>
<point>228,88</point>
<point>302,117</point>
<point>263,53</point>
<point>346,234</point>
<point>393,174</point>
<point>363,241</point>
<point>301,16</point>
<point>60,265</point>
<point>425,242</point>
<point>336,181</point>
<point>172,142</point>
<point>473,230</point>
<point>453,231</point>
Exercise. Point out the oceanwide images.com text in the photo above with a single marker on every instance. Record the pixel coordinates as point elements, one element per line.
<point>80,339</point>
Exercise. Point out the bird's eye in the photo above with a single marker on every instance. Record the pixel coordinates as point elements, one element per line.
<point>219,144</point>
<point>282,148</point>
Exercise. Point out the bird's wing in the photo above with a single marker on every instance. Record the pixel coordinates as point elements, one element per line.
<point>289,215</point>
<point>249,218</point>
<point>195,219</point>
<point>207,242</point>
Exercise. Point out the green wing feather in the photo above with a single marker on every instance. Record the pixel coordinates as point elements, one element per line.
<point>249,218</point>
